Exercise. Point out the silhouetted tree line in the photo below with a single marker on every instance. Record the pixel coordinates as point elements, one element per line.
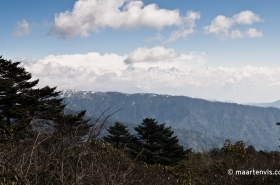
<point>42,143</point>
<point>153,143</point>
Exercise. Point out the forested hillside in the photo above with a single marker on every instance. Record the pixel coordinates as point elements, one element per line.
<point>199,124</point>
<point>43,142</point>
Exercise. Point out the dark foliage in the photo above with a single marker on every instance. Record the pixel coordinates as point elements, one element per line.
<point>119,135</point>
<point>231,164</point>
<point>21,102</point>
<point>158,144</point>
<point>61,157</point>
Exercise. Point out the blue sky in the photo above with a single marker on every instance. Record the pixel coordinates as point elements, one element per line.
<point>220,50</point>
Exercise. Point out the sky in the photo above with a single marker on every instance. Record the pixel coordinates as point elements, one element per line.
<point>222,50</point>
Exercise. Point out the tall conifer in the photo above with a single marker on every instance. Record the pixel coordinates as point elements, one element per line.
<point>21,102</point>
<point>158,144</point>
<point>118,136</point>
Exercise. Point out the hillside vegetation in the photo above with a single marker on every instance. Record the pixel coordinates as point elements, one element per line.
<point>42,142</point>
<point>199,124</point>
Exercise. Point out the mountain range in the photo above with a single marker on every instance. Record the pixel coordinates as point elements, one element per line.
<point>199,124</point>
<point>272,104</point>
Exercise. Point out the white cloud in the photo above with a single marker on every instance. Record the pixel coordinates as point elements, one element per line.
<point>252,32</point>
<point>236,34</point>
<point>186,28</point>
<point>110,71</point>
<point>246,17</point>
<point>158,37</point>
<point>221,25</point>
<point>22,28</point>
<point>186,74</point>
<point>165,58</point>
<point>155,54</point>
<point>90,16</point>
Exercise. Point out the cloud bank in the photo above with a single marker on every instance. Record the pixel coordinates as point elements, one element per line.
<point>91,16</point>
<point>222,26</point>
<point>185,75</point>
<point>156,54</point>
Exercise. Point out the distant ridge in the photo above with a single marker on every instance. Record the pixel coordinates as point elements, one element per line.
<point>199,124</point>
<point>273,104</point>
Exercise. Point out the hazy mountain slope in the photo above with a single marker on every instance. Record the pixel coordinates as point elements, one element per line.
<point>198,123</point>
<point>273,104</point>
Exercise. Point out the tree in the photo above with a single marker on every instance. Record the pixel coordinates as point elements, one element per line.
<point>21,103</point>
<point>159,145</point>
<point>250,149</point>
<point>72,126</point>
<point>234,153</point>
<point>119,136</point>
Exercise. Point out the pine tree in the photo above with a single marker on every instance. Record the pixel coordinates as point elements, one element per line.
<point>14,86</point>
<point>119,136</point>
<point>45,104</point>
<point>72,126</point>
<point>21,103</point>
<point>160,147</point>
